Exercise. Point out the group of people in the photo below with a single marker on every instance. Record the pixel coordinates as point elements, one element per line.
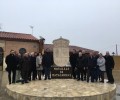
<point>31,66</point>
<point>28,66</point>
<point>92,66</point>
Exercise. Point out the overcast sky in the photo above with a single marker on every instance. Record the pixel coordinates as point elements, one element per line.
<point>93,24</point>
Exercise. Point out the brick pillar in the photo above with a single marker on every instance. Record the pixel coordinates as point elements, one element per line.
<point>41,45</point>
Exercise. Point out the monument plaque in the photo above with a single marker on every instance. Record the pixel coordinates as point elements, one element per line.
<point>61,52</point>
<point>62,69</point>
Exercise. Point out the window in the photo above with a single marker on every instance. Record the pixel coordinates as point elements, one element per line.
<point>22,50</point>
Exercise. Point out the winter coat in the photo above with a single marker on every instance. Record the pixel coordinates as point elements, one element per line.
<point>73,59</point>
<point>39,63</point>
<point>47,60</point>
<point>11,62</point>
<point>80,62</point>
<point>33,63</point>
<point>109,62</point>
<point>101,63</point>
<point>25,64</point>
<point>92,62</point>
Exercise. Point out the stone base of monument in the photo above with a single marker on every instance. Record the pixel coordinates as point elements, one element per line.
<point>62,89</point>
<point>61,72</point>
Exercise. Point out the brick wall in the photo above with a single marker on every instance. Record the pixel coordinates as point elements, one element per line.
<point>117,62</point>
<point>16,45</point>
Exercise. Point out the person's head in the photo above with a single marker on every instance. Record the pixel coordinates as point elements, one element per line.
<point>107,53</point>
<point>91,54</point>
<point>74,51</point>
<point>47,50</point>
<point>83,51</point>
<point>35,53</point>
<point>11,51</point>
<point>80,54</point>
<point>19,55</point>
<point>40,54</point>
<point>100,55</point>
<point>32,54</point>
<point>26,55</point>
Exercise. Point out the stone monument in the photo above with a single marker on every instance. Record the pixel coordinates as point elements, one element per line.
<point>61,52</point>
<point>62,68</point>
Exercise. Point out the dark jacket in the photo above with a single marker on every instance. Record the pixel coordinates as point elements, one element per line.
<point>11,62</point>
<point>85,60</point>
<point>79,62</point>
<point>25,64</point>
<point>33,63</point>
<point>47,60</point>
<point>73,59</point>
<point>109,62</point>
<point>92,62</point>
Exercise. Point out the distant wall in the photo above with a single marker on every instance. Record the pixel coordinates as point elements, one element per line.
<point>117,62</point>
<point>116,71</point>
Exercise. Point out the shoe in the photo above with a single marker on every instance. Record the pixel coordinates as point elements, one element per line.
<point>9,83</point>
<point>22,82</point>
<point>111,82</point>
<point>45,79</point>
<point>108,81</point>
<point>102,81</point>
<point>49,78</point>
<point>26,82</point>
<point>78,79</point>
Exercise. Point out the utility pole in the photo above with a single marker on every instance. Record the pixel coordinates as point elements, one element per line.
<point>0,27</point>
<point>32,28</point>
<point>116,50</point>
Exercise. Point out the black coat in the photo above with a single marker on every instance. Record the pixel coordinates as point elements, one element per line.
<point>79,64</point>
<point>109,62</point>
<point>25,64</point>
<point>11,62</point>
<point>73,59</point>
<point>85,60</point>
<point>33,63</point>
<point>47,60</point>
<point>92,62</point>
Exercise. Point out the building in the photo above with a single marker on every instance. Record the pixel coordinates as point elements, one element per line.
<point>16,41</point>
<point>50,46</point>
<point>22,43</point>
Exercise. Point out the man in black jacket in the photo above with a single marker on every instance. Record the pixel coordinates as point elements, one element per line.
<point>92,64</point>
<point>47,62</point>
<point>109,67</point>
<point>73,62</point>
<point>11,66</point>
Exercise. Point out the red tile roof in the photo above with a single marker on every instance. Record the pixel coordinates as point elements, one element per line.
<point>17,36</point>
<point>50,46</point>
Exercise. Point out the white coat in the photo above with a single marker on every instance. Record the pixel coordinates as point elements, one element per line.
<point>101,63</point>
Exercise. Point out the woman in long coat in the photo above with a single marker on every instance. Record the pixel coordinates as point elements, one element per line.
<point>101,64</point>
<point>39,66</point>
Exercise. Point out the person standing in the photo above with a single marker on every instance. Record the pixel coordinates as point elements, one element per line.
<point>73,62</point>
<point>101,64</point>
<point>33,65</point>
<point>25,68</point>
<point>109,67</point>
<point>39,66</point>
<point>11,66</point>
<point>92,63</point>
<point>47,62</point>
<point>80,67</point>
